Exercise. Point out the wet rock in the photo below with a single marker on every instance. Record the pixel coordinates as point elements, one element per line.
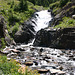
<point>28,63</point>
<point>6,51</point>
<point>44,37</point>
<point>9,40</point>
<point>74,58</point>
<point>73,16</point>
<point>62,38</point>
<point>26,33</point>
<point>60,67</point>
<point>15,51</point>
<point>59,72</point>
<point>8,59</point>
<point>2,26</point>
<point>12,55</point>
<point>42,70</point>
<point>36,62</point>
<point>21,49</point>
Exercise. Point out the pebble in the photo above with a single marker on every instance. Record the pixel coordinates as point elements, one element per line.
<point>51,60</point>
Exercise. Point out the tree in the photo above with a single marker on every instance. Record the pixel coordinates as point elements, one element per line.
<point>23,5</point>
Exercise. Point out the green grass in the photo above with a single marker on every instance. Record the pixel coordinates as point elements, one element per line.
<point>3,43</point>
<point>12,68</point>
<point>14,17</point>
<point>55,6</point>
<point>8,67</point>
<point>66,22</point>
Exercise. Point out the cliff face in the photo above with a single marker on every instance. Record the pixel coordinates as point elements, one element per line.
<point>2,29</point>
<point>56,38</point>
<point>2,26</point>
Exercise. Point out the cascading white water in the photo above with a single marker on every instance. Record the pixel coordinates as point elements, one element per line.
<point>43,17</point>
<point>42,21</point>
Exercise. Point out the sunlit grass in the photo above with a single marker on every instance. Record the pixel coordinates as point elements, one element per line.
<point>66,22</point>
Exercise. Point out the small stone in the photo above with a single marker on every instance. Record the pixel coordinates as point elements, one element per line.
<point>56,71</point>
<point>16,51</point>
<point>60,67</point>
<point>28,63</point>
<point>42,70</point>
<point>74,58</point>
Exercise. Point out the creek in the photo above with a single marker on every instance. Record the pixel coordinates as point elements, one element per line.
<point>54,61</point>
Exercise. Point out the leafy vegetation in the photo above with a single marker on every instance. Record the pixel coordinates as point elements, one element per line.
<point>44,3</point>
<point>16,12</point>
<point>66,22</point>
<point>3,44</point>
<point>12,68</point>
<point>63,2</point>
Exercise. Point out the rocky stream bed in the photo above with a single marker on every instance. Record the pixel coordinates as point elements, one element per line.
<point>48,61</point>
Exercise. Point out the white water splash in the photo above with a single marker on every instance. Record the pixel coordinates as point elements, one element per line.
<point>43,18</point>
<point>42,21</point>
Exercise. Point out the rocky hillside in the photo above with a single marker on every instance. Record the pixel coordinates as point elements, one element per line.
<point>61,33</point>
<point>66,11</point>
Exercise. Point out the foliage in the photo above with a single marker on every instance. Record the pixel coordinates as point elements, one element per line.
<point>54,5</point>
<point>23,5</point>
<point>15,29</point>
<point>63,2</point>
<point>44,3</point>
<point>3,43</point>
<point>13,18</point>
<point>12,68</point>
<point>8,67</point>
<point>15,12</point>
<point>67,22</point>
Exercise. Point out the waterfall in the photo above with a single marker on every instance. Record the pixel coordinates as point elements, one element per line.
<point>40,21</point>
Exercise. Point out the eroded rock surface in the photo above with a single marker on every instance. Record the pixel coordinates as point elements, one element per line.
<point>56,38</point>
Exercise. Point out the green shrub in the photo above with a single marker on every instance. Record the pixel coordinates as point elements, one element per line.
<point>63,2</point>
<point>22,6</point>
<point>15,29</point>
<point>54,5</point>
<point>12,4</point>
<point>12,68</point>
<point>3,43</point>
<point>66,22</point>
<point>13,18</point>
<point>8,67</point>
<point>71,22</point>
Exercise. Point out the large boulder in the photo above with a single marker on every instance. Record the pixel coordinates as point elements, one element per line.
<point>4,33</point>
<point>26,33</point>
<point>45,37</point>
<point>56,38</point>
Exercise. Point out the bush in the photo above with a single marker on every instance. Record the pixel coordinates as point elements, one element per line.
<point>13,18</point>
<point>63,2</point>
<point>12,68</point>
<point>22,6</point>
<point>71,22</point>
<point>12,4</point>
<point>66,22</point>
<point>15,29</point>
<point>54,5</point>
<point>3,43</point>
<point>8,67</point>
